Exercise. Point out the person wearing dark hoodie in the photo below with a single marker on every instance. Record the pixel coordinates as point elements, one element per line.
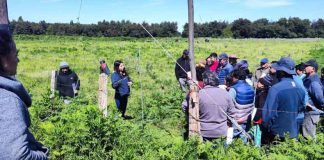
<point>314,88</point>
<point>16,141</point>
<point>182,67</point>
<point>67,81</point>
<point>121,82</point>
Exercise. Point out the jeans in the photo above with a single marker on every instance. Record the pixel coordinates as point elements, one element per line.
<point>184,84</point>
<point>121,103</point>
<point>239,134</point>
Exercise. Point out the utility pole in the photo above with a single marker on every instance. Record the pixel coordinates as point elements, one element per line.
<point>191,40</point>
<point>194,125</point>
<point>3,13</point>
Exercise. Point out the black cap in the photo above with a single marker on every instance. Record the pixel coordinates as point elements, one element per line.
<point>312,63</point>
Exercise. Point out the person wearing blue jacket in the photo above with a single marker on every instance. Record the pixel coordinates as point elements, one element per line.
<point>224,68</point>
<point>322,76</point>
<point>121,82</point>
<point>314,88</point>
<point>16,141</point>
<point>243,97</point>
<point>284,101</point>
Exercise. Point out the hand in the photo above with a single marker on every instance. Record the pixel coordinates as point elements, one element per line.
<point>129,83</point>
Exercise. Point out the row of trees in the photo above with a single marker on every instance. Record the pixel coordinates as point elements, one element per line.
<point>241,28</point>
<point>104,28</point>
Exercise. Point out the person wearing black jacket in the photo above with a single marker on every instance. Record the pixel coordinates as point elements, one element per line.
<point>67,81</point>
<point>181,68</point>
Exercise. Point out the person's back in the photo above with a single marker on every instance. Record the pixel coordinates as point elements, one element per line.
<point>244,99</point>
<point>213,103</point>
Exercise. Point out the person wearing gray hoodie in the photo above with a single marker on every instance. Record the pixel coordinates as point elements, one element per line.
<point>16,141</point>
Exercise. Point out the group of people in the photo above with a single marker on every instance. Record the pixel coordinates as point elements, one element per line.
<point>68,83</point>
<point>17,142</point>
<point>280,97</point>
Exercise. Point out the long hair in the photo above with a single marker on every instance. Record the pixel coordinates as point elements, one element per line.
<point>116,67</point>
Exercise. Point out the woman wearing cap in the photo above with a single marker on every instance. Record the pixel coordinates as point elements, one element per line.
<point>16,141</point>
<point>121,82</point>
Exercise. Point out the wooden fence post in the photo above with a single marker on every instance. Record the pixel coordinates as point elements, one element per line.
<point>103,94</point>
<point>194,124</point>
<point>53,83</point>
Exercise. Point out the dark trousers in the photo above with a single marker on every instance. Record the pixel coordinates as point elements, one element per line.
<point>121,103</point>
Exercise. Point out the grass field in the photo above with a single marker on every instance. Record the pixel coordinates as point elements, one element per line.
<point>77,131</point>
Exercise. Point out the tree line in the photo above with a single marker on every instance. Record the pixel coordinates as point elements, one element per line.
<point>293,27</point>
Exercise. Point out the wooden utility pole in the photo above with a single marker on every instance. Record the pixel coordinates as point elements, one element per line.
<point>194,125</point>
<point>103,94</point>
<point>3,12</point>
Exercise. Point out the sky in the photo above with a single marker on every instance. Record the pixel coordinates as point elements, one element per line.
<point>155,11</point>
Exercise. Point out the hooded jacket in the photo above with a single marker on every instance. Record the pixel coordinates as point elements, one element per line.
<point>65,82</point>
<point>16,141</point>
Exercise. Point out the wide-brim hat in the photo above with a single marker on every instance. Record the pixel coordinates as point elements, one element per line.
<point>285,64</point>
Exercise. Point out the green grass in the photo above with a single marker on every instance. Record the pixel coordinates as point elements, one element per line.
<point>78,131</point>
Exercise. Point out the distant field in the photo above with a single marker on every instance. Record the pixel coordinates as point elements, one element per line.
<point>163,118</point>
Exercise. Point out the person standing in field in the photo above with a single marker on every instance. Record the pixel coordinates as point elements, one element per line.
<point>224,69</point>
<point>67,82</point>
<point>121,82</point>
<point>214,62</point>
<point>200,69</point>
<point>243,96</point>
<point>314,88</point>
<point>214,103</point>
<point>261,72</point>
<point>300,69</point>
<point>284,101</point>
<point>182,68</point>
<point>16,141</point>
<point>232,59</point>
<point>104,68</point>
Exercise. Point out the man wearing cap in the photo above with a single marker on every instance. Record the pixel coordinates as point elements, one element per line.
<point>284,101</point>
<point>224,69</point>
<point>232,59</point>
<point>214,103</point>
<point>261,72</point>
<point>314,88</point>
<point>67,81</point>
<point>182,68</point>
